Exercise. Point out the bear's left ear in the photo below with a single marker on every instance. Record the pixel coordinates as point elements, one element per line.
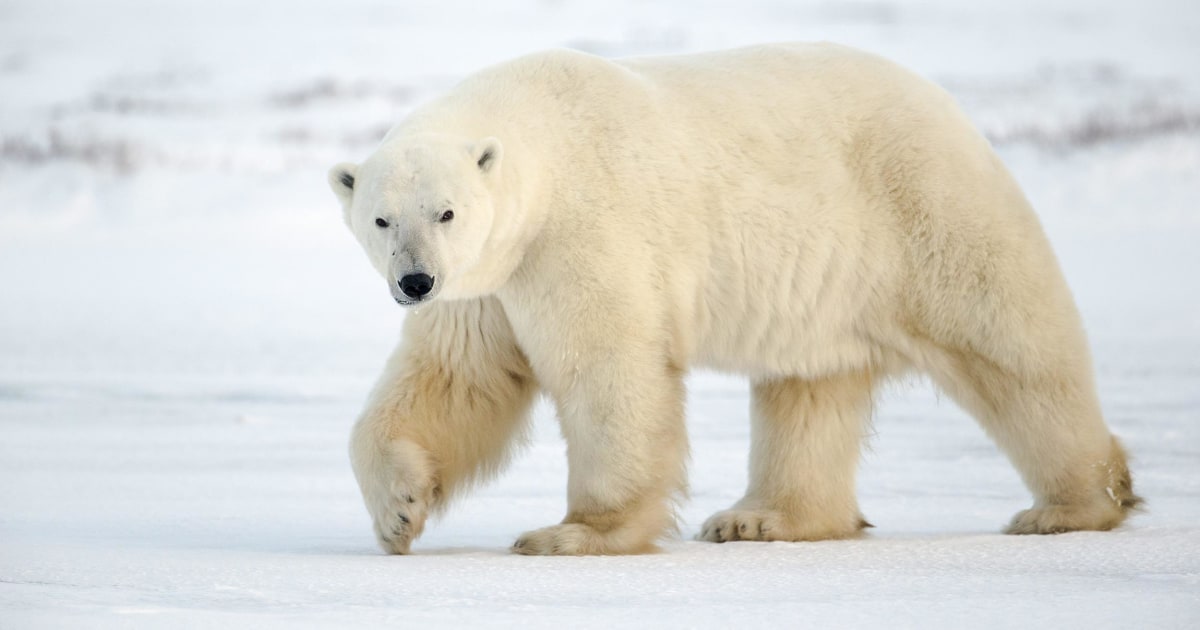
<point>341,180</point>
<point>487,153</point>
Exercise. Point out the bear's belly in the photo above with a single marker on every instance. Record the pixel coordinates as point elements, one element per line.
<point>807,299</point>
<point>783,347</point>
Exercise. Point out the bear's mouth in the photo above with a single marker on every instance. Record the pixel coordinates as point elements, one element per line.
<point>404,300</point>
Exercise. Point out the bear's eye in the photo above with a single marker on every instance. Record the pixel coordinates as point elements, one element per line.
<point>380,222</point>
<point>447,215</point>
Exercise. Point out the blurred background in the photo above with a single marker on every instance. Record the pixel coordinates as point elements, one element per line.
<point>187,330</point>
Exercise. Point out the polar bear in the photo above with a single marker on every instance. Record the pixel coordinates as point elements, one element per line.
<point>813,217</point>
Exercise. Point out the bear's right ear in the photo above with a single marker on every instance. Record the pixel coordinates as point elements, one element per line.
<point>341,180</point>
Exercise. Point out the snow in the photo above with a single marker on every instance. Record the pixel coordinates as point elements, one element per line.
<point>187,331</point>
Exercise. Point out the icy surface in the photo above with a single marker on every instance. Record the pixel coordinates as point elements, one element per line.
<point>187,331</point>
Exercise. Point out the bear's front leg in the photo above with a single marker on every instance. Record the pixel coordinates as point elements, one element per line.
<point>445,413</point>
<point>398,484</point>
<point>622,417</point>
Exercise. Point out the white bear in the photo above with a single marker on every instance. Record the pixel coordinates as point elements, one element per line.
<point>813,217</point>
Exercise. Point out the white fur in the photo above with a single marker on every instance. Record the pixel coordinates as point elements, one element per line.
<point>813,217</point>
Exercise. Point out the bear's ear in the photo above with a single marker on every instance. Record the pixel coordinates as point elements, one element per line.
<point>487,153</point>
<point>341,180</point>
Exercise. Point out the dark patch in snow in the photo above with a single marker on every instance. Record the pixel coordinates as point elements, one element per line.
<point>328,89</point>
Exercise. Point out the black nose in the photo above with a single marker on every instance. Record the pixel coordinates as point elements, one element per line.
<point>416,285</point>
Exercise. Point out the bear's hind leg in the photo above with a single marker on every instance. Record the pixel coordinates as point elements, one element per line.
<point>1050,426</point>
<point>804,451</point>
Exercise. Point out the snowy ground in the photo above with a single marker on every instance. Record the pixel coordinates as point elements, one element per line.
<point>187,331</point>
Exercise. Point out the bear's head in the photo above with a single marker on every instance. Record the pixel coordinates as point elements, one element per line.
<point>424,208</point>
